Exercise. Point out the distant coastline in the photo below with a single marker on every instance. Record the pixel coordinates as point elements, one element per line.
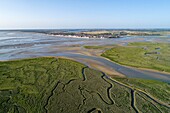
<point>68,36</point>
<point>104,34</point>
<point>88,35</point>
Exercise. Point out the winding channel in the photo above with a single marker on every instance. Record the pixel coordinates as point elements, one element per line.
<point>127,71</point>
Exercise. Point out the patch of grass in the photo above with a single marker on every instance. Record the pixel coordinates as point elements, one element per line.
<point>59,85</point>
<point>102,47</point>
<point>94,47</point>
<point>157,89</point>
<point>142,54</point>
<point>26,84</point>
<point>145,105</point>
<point>94,94</point>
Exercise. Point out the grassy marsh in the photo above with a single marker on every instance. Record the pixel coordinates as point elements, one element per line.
<point>51,85</point>
<point>142,54</point>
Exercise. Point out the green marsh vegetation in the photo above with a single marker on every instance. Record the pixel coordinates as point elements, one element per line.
<point>157,89</point>
<point>142,54</point>
<point>105,47</point>
<point>48,84</point>
<point>94,47</point>
<point>26,85</point>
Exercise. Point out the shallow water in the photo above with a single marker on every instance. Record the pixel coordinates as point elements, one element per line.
<point>16,45</point>
<point>127,71</point>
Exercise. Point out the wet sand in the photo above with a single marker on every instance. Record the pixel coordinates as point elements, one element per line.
<point>124,70</point>
<point>99,66</point>
<point>18,45</point>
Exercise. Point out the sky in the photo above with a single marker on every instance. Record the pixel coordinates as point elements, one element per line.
<point>84,14</point>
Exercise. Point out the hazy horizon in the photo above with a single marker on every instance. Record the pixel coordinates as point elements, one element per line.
<point>84,14</point>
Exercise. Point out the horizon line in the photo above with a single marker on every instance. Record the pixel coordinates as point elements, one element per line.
<point>83,29</point>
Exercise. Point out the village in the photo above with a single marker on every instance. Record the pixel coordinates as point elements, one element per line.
<point>84,35</point>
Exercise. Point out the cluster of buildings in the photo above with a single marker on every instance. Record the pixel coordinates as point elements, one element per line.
<point>84,35</point>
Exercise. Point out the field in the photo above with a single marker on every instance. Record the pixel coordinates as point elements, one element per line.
<point>100,47</point>
<point>94,47</point>
<point>159,90</point>
<point>57,85</point>
<point>142,54</point>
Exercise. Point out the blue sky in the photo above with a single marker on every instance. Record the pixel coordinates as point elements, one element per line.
<point>65,14</point>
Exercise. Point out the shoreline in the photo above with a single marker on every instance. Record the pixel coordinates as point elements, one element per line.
<point>69,36</point>
<point>112,72</point>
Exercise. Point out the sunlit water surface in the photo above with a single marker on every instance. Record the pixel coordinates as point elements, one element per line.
<point>14,45</point>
